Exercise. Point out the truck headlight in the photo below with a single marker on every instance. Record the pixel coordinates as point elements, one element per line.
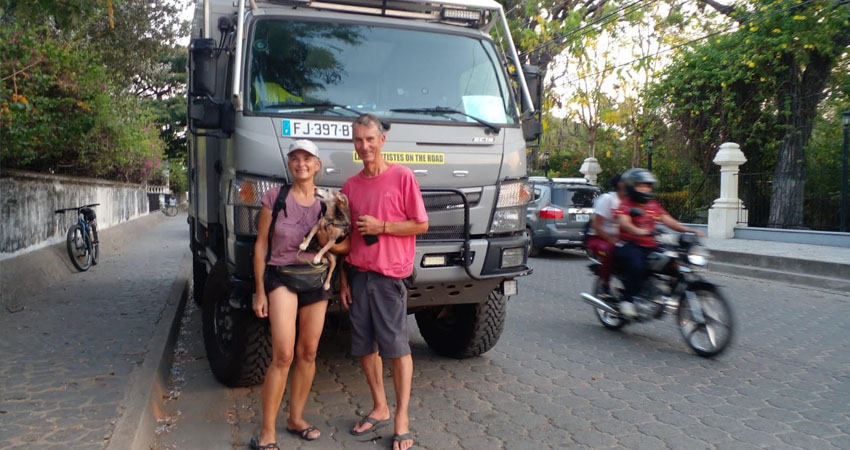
<point>511,207</point>
<point>245,195</point>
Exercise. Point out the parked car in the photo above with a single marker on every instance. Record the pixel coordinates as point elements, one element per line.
<point>559,211</point>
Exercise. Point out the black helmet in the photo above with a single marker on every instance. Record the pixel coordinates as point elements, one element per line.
<point>631,178</point>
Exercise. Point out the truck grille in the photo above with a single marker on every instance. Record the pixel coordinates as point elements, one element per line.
<point>445,214</point>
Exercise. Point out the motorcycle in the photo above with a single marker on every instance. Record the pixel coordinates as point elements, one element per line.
<point>674,286</point>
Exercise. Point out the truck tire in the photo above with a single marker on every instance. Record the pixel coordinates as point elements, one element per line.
<point>464,331</point>
<point>199,272</point>
<point>199,281</point>
<point>238,344</point>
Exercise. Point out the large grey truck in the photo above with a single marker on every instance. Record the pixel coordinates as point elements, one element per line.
<point>459,108</point>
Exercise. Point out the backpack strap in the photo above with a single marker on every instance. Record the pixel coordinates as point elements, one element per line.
<point>279,204</point>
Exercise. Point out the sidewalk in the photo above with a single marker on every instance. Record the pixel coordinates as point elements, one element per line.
<point>809,265</point>
<point>76,350</point>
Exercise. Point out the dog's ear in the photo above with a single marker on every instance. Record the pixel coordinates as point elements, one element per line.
<point>342,198</point>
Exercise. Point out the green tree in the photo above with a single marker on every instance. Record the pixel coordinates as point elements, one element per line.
<point>760,86</point>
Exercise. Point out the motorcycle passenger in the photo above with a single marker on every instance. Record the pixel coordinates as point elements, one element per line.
<point>604,230</point>
<point>637,216</point>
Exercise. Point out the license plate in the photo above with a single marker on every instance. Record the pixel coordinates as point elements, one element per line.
<point>582,217</point>
<point>297,128</point>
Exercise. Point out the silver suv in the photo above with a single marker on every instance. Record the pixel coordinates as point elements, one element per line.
<point>559,211</point>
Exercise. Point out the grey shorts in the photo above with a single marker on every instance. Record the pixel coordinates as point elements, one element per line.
<point>378,315</point>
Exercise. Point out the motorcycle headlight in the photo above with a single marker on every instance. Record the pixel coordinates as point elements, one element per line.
<point>245,195</point>
<point>511,207</point>
<point>698,255</point>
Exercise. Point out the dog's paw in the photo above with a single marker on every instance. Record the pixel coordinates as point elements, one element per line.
<point>317,259</point>
<point>327,286</point>
<point>304,245</point>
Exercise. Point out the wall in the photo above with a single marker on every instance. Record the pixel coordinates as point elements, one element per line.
<point>28,201</point>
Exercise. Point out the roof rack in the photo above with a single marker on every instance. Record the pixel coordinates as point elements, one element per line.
<point>468,13</point>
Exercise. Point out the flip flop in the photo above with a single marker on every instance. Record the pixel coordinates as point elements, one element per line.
<point>370,420</point>
<point>255,445</point>
<point>305,433</point>
<point>403,437</point>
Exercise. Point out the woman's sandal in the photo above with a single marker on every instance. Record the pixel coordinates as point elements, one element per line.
<point>404,437</point>
<point>255,445</point>
<point>305,433</point>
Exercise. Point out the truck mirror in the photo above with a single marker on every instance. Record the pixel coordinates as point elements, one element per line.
<point>531,128</point>
<point>202,61</point>
<point>534,81</point>
<point>204,113</point>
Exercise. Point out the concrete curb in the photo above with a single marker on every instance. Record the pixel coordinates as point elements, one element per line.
<point>135,427</point>
<point>822,274</point>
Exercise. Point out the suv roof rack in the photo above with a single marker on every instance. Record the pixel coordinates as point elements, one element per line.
<point>574,180</point>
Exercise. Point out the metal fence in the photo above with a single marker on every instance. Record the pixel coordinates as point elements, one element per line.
<point>821,200</point>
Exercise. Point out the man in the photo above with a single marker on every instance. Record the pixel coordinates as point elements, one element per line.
<point>637,215</point>
<point>604,230</point>
<point>388,212</point>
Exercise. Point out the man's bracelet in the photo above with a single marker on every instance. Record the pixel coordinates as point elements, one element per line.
<point>385,228</point>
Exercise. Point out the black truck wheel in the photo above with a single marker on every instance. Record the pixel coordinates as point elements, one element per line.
<point>199,280</point>
<point>464,331</point>
<point>237,342</point>
<point>199,270</point>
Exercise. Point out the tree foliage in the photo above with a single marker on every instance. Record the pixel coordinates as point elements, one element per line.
<point>760,86</point>
<point>91,88</point>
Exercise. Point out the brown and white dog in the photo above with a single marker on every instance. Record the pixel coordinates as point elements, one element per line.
<point>336,221</point>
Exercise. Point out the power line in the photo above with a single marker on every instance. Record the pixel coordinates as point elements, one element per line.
<point>709,35</point>
<point>587,26</point>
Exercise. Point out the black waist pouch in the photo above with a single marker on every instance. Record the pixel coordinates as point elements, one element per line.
<point>303,277</point>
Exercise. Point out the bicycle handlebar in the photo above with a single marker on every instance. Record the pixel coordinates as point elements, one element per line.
<point>62,211</point>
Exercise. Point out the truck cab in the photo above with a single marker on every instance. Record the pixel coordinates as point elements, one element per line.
<point>265,73</point>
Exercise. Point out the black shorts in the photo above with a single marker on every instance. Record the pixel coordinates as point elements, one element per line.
<point>272,281</point>
<point>378,315</point>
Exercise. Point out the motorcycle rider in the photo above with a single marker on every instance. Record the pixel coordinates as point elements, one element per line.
<point>637,216</point>
<point>605,230</point>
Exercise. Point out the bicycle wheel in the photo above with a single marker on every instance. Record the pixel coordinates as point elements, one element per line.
<point>79,248</point>
<point>95,245</point>
<point>170,211</point>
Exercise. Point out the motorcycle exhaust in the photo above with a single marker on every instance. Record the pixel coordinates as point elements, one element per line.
<point>598,303</point>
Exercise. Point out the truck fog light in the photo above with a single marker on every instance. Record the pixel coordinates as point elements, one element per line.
<point>509,288</point>
<point>512,257</point>
<point>433,260</point>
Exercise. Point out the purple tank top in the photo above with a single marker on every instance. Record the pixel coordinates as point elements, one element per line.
<point>290,229</point>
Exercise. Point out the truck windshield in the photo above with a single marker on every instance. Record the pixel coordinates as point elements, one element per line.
<point>296,65</point>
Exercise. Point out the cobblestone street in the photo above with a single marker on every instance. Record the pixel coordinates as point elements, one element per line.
<point>69,352</point>
<point>558,379</point>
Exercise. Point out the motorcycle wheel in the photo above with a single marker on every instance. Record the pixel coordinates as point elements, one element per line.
<point>708,337</point>
<point>609,321</point>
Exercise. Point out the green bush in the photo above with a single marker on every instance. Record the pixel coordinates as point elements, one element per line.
<point>60,113</point>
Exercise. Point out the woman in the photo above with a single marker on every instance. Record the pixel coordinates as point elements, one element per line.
<point>274,300</point>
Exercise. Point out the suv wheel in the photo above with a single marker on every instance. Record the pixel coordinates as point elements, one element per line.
<point>532,250</point>
<point>237,342</point>
<point>464,331</point>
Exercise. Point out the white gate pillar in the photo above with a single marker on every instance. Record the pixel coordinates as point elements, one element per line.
<point>726,211</point>
<point>590,169</point>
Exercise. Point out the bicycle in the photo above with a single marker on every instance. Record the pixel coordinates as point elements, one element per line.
<point>170,208</point>
<point>82,243</point>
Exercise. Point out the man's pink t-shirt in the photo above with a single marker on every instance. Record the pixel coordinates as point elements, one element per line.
<point>392,196</point>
